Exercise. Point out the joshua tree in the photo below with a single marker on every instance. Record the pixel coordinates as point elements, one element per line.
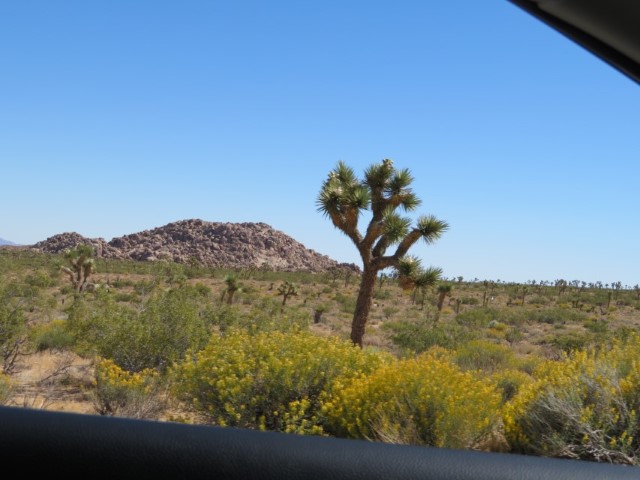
<point>617,286</point>
<point>348,273</point>
<point>524,291</point>
<point>381,279</point>
<point>489,287</point>
<point>287,289</point>
<point>334,273</point>
<point>81,266</point>
<point>444,290</point>
<point>317,313</point>
<point>561,284</point>
<point>383,191</point>
<point>232,286</point>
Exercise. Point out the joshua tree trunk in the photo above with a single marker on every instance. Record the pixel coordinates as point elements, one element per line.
<point>363,305</point>
<point>441,297</point>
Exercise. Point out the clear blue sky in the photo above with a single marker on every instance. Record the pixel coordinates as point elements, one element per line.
<point>118,116</point>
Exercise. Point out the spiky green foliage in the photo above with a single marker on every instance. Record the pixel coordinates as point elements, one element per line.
<point>384,190</point>
<point>444,290</point>
<point>428,277</point>
<point>232,286</point>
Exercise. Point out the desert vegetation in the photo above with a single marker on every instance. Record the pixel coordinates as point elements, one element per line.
<point>542,368</point>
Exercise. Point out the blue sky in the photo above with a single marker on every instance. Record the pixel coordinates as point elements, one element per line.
<point>119,116</point>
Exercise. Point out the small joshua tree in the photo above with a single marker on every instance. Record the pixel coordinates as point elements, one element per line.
<point>81,266</point>
<point>232,285</point>
<point>444,290</point>
<point>383,191</point>
<point>287,289</point>
<point>317,313</point>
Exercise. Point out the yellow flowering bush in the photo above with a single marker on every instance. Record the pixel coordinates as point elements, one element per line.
<point>426,400</point>
<point>119,392</point>
<point>268,380</point>
<point>583,406</point>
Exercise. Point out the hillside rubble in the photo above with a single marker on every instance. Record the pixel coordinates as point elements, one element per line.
<point>211,244</point>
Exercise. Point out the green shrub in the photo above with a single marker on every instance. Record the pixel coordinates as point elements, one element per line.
<point>266,315</point>
<point>51,336</point>
<point>498,326</point>
<point>40,279</point>
<point>538,300</point>
<point>382,294</point>
<point>125,297</point>
<point>596,326</point>
<point>121,283</point>
<point>145,287</point>
<point>425,400</point>
<point>13,327</point>
<point>419,336</point>
<point>557,316</point>
<point>5,388</point>
<point>202,289</point>
<point>268,380</point>
<point>510,381</point>
<point>513,335</point>
<point>569,341</point>
<point>347,303</point>
<point>484,355</point>
<point>469,300</point>
<point>478,317</point>
<point>154,336</point>
<point>390,311</point>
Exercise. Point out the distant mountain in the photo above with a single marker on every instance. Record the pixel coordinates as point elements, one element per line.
<point>212,244</point>
<point>7,242</point>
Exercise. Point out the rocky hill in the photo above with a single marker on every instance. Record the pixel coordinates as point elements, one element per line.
<point>212,244</point>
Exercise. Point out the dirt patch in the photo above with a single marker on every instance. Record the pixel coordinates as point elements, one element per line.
<point>58,381</point>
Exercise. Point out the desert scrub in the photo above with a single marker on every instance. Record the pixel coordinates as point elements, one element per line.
<point>478,317</point>
<point>5,388</point>
<point>584,406</point>
<point>268,380</point>
<point>266,315</point>
<point>510,381</point>
<point>557,316</point>
<point>118,392</point>
<point>154,335</point>
<point>420,335</point>
<point>568,342</point>
<point>426,400</point>
<point>51,336</point>
<point>484,355</point>
<point>13,324</point>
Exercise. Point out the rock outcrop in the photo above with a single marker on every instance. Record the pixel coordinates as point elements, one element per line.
<point>212,244</point>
